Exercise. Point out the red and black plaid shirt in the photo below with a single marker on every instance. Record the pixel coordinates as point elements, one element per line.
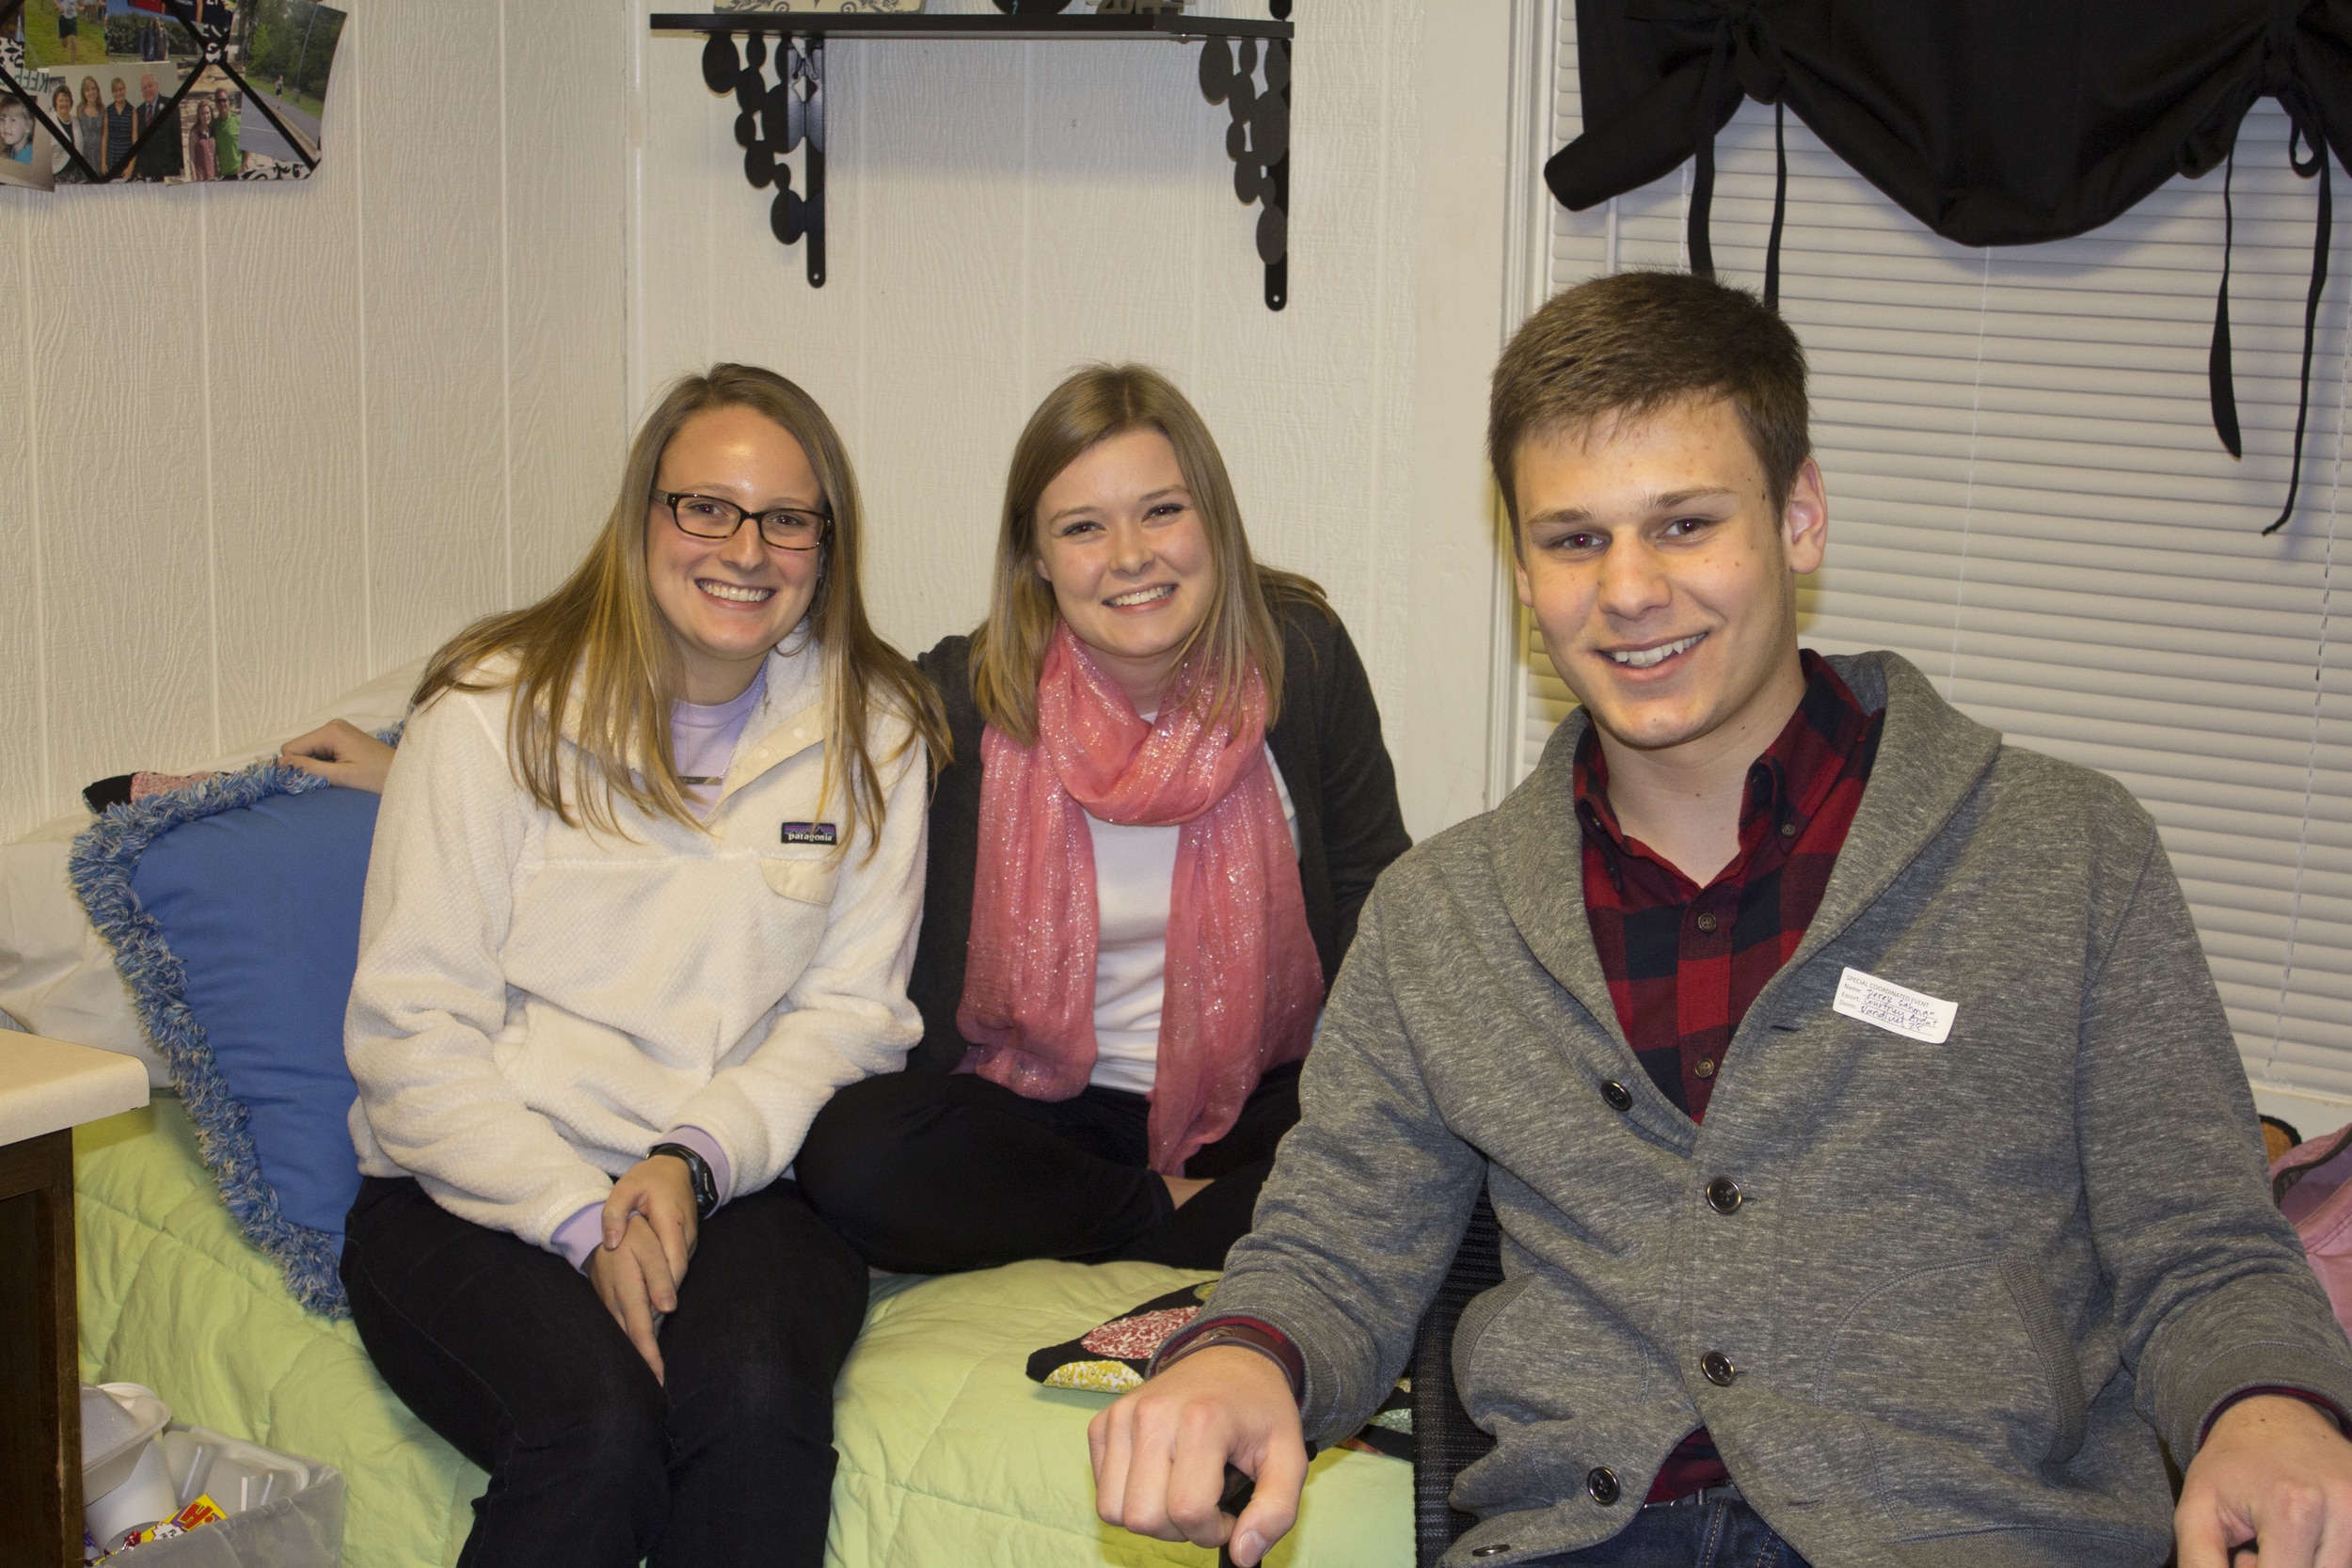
<point>1684,961</point>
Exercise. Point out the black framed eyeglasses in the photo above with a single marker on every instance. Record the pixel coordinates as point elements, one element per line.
<point>786,528</point>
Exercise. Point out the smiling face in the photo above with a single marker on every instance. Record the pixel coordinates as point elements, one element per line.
<point>1123,546</point>
<point>1663,582</point>
<point>121,102</point>
<point>728,601</point>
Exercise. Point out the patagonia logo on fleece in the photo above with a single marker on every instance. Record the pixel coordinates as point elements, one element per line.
<point>810,833</point>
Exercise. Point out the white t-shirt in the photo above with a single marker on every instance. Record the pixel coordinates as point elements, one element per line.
<point>1134,873</point>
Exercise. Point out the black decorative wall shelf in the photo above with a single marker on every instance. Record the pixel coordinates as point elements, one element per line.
<point>1245,65</point>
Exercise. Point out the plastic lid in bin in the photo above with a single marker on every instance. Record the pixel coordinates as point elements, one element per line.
<point>237,1476</point>
<point>118,1418</point>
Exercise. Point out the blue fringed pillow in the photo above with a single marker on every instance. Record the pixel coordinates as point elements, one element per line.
<point>232,906</point>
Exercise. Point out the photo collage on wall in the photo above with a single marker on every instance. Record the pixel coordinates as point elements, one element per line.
<point>163,91</point>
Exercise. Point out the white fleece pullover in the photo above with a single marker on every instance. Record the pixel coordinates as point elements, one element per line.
<point>536,1004</point>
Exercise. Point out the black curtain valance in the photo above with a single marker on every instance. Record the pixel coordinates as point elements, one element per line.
<point>1991,122</point>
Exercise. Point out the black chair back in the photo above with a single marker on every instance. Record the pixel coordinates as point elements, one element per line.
<point>1444,1440</point>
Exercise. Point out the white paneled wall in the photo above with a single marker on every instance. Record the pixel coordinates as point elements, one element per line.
<point>265,442</point>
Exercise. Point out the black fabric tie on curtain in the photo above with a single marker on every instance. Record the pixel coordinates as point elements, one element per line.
<point>1997,122</point>
<point>2280,81</point>
<point>1742,62</point>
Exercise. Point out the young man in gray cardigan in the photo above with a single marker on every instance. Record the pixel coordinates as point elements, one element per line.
<point>1976,1233</point>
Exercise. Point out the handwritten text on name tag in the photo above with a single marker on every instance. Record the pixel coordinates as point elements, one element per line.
<point>1912,1014</point>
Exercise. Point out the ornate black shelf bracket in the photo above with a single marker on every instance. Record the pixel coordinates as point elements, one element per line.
<point>780,99</point>
<point>772,119</point>
<point>1259,141</point>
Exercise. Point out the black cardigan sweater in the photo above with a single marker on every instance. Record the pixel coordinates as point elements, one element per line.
<point>1327,742</point>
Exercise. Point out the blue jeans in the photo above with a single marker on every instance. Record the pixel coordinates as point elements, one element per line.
<point>1722,1531</point>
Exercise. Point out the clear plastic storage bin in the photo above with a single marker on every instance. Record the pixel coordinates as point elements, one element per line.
<point>282,1511</point>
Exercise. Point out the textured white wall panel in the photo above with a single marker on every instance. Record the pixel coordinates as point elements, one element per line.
<point>119,458</point>
<point>440,541</point>
<point>22,739</point>
<point>286,478</point>
<point>924,341</point>
<point>567,149</point>
<point>1438,722</point>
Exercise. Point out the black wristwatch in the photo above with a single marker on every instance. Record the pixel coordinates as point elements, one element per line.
<point>698,1172</point>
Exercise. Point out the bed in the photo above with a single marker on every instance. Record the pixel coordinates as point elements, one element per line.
<point>949,1453</point>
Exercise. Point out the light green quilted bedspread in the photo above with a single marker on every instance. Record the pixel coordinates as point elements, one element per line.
<point>950,1457</point>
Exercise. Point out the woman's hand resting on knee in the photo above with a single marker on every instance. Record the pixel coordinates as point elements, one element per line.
<point>649,1234</point>
<point>342,753</point>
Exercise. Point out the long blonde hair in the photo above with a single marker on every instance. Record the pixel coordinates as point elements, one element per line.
<point>598,652</point>
<point>1238,630</point>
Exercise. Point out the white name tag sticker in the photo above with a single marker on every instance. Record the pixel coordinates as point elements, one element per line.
<point>1915,1015</point>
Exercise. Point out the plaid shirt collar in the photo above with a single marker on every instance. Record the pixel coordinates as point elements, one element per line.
<point>1786,784</point>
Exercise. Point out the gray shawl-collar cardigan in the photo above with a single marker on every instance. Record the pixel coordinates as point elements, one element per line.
<point>1326,741</point>
<point>1967,1287</point>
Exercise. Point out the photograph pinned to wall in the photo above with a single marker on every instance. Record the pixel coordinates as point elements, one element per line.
<point>26,153</point>
<point>150,87</point>
<point>112,102</point>
<point>69,33</point>
<point>58,100</point>
<point>102,82</point>
<point>285,50</point>
<point>214,117</point>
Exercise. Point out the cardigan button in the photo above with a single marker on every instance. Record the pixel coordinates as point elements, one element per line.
<point>1718,1367</point>
<point>1600,1483</point>
<point>1706,922</point>
<point>1723,1194</point>
<point>1620,1098</point>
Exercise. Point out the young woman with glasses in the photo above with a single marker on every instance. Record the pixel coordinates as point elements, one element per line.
<point>1168,801</point>
<point>642,896</point>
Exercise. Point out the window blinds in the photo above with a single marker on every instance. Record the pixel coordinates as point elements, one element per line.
<point>2028,501</point>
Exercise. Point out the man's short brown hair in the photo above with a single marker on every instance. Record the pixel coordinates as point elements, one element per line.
<point>1635,343</point>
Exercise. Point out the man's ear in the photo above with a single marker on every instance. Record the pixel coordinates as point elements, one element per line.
<point>1805,520</point>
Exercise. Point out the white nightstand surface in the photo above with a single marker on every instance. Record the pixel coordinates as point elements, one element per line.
<point>48,1085</point>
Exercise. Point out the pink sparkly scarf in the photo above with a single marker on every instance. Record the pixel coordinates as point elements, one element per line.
<point>1243,982</point>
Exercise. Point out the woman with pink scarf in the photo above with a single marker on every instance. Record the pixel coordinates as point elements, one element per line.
<point>1168,801</point>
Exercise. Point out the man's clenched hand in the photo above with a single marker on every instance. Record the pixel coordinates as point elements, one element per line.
<point>1160,1453</point>
<point>2274,1474</point>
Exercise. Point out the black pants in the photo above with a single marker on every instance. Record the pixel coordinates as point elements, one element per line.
<point>932,1174</point>
<point>504,1350</point>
